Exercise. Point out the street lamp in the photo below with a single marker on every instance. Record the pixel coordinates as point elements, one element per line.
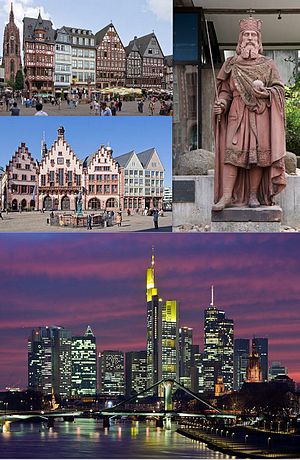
<point>246,438</point>
<point>269,442</point>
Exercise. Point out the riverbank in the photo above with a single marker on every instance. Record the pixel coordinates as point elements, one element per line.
<point>244,442</point>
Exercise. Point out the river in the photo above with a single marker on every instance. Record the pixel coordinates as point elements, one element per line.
<point>86,439</point>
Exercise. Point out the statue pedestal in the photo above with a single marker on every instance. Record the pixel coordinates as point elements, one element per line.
<point>264,219</point>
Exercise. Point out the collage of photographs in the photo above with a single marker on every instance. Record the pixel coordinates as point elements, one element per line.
<point>149,220</point>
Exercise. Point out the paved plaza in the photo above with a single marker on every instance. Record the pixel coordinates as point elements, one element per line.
<point>37,222</point>
<point>83,109</point>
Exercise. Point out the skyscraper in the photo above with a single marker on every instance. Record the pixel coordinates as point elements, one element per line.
<point>112,372</point>
<point>84,364</point>
<point>241,354</point>
<point>218,347</point>
<point>162,333</point>
<point>49,360</point>
<point>185,355</point>
<point>136,372</point>
<point>262,348</point>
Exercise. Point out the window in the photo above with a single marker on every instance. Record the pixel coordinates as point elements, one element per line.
<point>32,178</point>
<point>61,176</point>
<point>24,177</point>
<point>27,167</point>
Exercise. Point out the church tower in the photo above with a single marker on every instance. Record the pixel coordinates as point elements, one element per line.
<point>253,372</point>
<point>11,48</point>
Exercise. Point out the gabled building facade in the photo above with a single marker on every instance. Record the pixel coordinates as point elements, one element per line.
<point>38,47</point>
<point>154,178</point>
<point>133,183</point>
<point>110,58</point>
<point>134,65</point>
<point>102,181</point>
<point>152,69</point>
<point>60,177</point>
<point>11,48</point>
<point>19,189</point>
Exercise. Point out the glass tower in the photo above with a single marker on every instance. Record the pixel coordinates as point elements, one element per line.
<point>162,333</point>
<point>218,347</point>
<point>84,364</point>
<point>241,355</point>
<point>112,372</point>
<point>49,360</point>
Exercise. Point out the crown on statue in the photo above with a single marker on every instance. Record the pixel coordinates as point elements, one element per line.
<point>250,24</point>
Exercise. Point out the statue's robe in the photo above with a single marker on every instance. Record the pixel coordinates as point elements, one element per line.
<point>251,132</point>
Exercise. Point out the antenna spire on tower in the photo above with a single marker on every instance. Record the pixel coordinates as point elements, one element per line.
<point>153,257</point>
<point>212,296</point>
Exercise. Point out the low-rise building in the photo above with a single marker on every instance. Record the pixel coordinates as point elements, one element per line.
<point>154,178</point>
<point>168,73</point>
<point>151,63</point>
<point>83,60</point>
<point>111,58</point>
<point>19,184</point>
<point>60,176</point>
<point>38,47</point>
<point>143,180</point>
<point>63,62</point>
<point>102,181</point>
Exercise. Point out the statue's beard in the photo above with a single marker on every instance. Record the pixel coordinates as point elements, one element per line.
<point>249,51</point>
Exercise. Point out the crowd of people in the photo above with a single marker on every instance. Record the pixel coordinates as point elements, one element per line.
<point>99,105</point>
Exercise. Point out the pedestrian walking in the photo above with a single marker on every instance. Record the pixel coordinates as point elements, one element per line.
<point>89,222</point>
<point>39,110</point>
<point>113,109</point>
<point>155,218</point>
<point>105,111</point>
<point>1,217</point>
<point>119,219</point>
<point>15,111</point>
<point>120,105</point>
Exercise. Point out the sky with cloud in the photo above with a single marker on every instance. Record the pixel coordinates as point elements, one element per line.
<point>130,17</point>
<point>76,280</point>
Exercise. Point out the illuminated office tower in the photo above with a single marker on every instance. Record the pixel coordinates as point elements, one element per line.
<point>261,345</point>
<point>185,355</point>
<point>197,378</point>
<point>241,355</point>
<point>112,373</point>
<point>276,369</point>
<point>162,333</point>
<point>136,372</point>
<point>170,343</point>
<point>62,361</point>
<point>84,364</point>
<point>40,359</point>
<point>153,326</point>
<point>49,360</point>
<point>218,348</point>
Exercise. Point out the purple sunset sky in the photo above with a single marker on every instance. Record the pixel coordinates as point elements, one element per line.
<point>75,280</point>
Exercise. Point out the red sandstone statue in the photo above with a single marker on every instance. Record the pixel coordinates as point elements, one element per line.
<point>249,125</point>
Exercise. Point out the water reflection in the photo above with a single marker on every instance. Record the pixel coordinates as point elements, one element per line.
<point>87,439</point>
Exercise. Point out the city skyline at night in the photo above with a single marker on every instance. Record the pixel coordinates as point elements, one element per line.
<point>102,283</point>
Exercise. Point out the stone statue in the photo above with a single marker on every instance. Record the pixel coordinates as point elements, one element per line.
<point>249,125</point>
<point>79,204</point>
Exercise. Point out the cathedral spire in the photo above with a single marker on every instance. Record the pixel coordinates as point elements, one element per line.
<point>11,16</point>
